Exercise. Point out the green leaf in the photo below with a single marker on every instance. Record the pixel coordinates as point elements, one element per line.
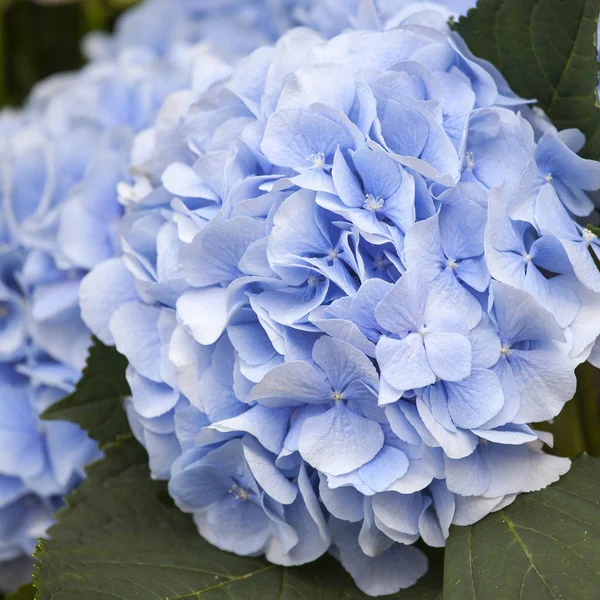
<point>546,50</point>
<point>26,592</point>
<point>121,537</point>
<point>544,546</point>
<point>96,405</point>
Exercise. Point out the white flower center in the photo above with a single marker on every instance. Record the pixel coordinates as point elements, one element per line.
<point>505,350</point>
<point>374,203</point>
<point>134,193</point>
<point>589,236</point>
<point>527,258</point>
<point>548,177</point>
<point>312,280</point>
<point>423,331</point>
<point>238,492</point>
<point>470,158</point>
<point>337,396</point>
<point>451,264</point>
<point>333,254</point>
<point>317,160</point>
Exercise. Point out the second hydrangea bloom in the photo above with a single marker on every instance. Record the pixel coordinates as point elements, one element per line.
<point>350,282</point>
<point>63,155</point>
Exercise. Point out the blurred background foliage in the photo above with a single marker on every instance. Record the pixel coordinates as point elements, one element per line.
<point>42,37</point>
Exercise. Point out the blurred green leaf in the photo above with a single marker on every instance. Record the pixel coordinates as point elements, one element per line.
<point>26,592</point>
<point>43,38</point>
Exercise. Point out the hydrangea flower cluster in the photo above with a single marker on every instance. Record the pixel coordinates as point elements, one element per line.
<point>351,279</point>
<point>62,158</point>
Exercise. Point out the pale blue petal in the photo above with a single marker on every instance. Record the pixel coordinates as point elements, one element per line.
<point>520,318</point>
<point>546,381</point>
<point>399,512</point>
<point>403,307</point>
<point>457,444</point>
<point>214,255</point>
<point>267,475</point>
<point>404,363</point>
<point>328,441</point>
<point>343,364</point>
<point>344,502</point>
<point>449,355</point>
<point>467,476</point>
<point>381,575</point>
<point>268,425</point>
<point>475,400</point>
<point>204,312</point>
<point>292,384</point>
<point>462,225</point>
<point>389,464</point>
<point>134,327</point>
<point>485,344</point>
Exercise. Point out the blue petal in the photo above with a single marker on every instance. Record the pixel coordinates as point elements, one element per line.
<point>475,400</point>
<point>215,253</point>
<point>150,398</point>
<point>343,364</point>
<point>423,247</point>
<point>404,363</point>
<point>200,485</point>
<point>381,575</point>
<point>520,318</point>
<point>557,299</point>
<point>267,475</point>
<point>344,502</point>
<point>205,313</point>
<point>235,526</point>
<point>546,381</point>
<point>403,307</point>
<point>462,225</point>
<point>389,464</point>
<point>457,444</point>
<point>346,184</point>
<point>306,517</point>
<point>467,476</point>
<point>328,441</point>
<point>399,513</point>
<point>268,425</point>
<point>401,425</point>
<point>292,384</point>
<point>134,327</point>
<point>449,355</point>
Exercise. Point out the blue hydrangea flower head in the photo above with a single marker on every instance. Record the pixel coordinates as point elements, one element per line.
<point>346,289</point>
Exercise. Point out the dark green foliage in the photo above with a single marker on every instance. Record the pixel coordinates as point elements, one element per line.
<point>26,592</point>
<point>37,40</point>
<point>546,50</point>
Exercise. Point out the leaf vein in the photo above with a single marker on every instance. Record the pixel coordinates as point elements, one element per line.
<point>525,550</point>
